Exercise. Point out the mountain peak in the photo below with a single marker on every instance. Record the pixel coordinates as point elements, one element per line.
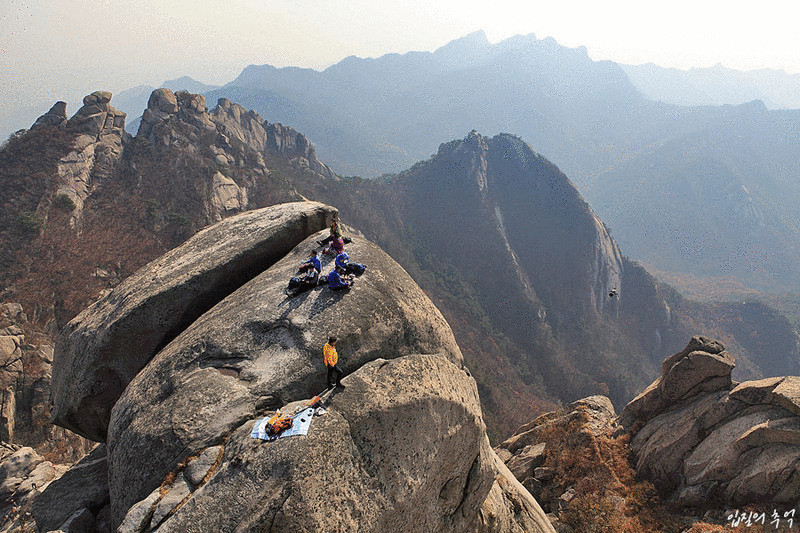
<point>473,45</point>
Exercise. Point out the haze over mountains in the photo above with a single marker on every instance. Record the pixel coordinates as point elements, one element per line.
<point>716,85</point>
<point>635,159</point>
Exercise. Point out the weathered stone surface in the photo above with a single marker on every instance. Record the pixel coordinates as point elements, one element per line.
<point>523,463</point>
<point>717,456</point>
<point>707,442</point>
<point>787,394</point>
<point>19,464</point>
<point>643,406</point>
<point>285,140</point>
<point>176,493</point>
<point>81,521</point>
<point>259,348</point>
<point>509,507</point>
<point>197,469</point>
<point>696,372</point>
<point>226,195</point>
<point>769,473</point>
<point>56,116</point>
<point>106,345</point>
<point>360,467</point>
<point>698,343</point>
<point>84,486</point>
<point>140,515</point>
<point>38,478</point>
<point>163,100</point>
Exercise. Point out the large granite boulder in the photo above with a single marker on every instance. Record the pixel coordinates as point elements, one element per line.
<point>706,442</point>
<point>105,346</point>
<point>702,367</point>
<point>259,349</point>
<point>403,448</point>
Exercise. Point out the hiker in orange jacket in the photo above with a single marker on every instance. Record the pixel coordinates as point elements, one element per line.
<point>331,358</point>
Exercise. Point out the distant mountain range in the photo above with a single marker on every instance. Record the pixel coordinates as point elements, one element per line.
<point>643,164</point>
<point>697,189</point>
<point>716,85</point>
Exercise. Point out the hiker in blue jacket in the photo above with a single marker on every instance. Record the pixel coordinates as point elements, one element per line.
<point>312,267</point>
<point>336,282</point>
<point>343,262</point>
<point>311,263</point>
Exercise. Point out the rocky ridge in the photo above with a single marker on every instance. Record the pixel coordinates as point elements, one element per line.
<point>700,441</point>
<point>403,446</point>
<point>232,136</point>
<point>703,438</point>
<point>97,150</point>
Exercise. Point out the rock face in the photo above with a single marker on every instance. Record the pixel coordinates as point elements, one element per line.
<point>236,135</point>
<point>240,144</point>
<point>404,446</point>
<point>23,475</point>
<point>257,350</point>
<point>104,347</point>
<point>704,440</point>
<point>83,489</point>
<point>26,357</point>
<point>382,458</point>
<point>238,124</point>
<point>57,116</point>
<point>98,147</point>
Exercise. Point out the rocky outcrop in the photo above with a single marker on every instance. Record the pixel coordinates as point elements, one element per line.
<point>287,141</point>
<point>239,126</point>
<point>237,145</point>
<point>164,108</point>
<point>104,347</point>
<point>404,443</point>
<point>383,457</point>
<point>705,440</point>
<point>98,148</point>
<point>26,357</point>
<point>257,350</point>
<point>82,491</point>
<point>532,452</point>
<point>24,474</point>
<point>57,116</point>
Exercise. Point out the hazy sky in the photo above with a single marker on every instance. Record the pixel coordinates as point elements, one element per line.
<point>63,49</point>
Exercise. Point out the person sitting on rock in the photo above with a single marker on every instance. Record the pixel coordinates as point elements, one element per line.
<point>312,263</point>
<point>331,358</point>
<point>343,262</point>
<point>312,267</point>
<point>335,247</point>
<point>336,282</point>
<point>307,282</point>
<point>334,234</point>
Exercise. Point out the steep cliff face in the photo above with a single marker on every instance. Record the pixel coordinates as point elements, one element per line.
<point>537,260</point>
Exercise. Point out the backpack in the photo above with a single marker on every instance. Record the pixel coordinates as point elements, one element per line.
<point>294,283</point>
<point>356,268</point>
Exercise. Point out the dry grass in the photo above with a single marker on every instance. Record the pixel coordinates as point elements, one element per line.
<point>608,497</point>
